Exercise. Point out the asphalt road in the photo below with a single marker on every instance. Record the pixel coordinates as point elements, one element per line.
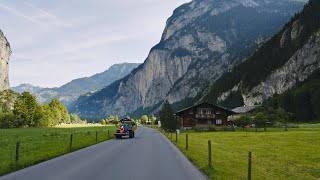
<point>149,156</point>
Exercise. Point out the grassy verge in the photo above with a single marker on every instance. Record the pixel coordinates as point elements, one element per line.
<point>294,154</point>
<point>40,144</point>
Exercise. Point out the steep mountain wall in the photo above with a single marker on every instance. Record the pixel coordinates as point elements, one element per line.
<point>298,68</point>
<point>202,40</point>
<point>5,52</point>
<point>283,62</point>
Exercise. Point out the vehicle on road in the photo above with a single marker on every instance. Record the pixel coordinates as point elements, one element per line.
<point>125,129</point>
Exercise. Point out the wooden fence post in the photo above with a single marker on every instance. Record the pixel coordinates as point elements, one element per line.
<point>71,139</point>
<point>108,134</point>
<point>176,136</point>
<point>187,146</point>
<point>96,136</point>
<point>249,165</point>
<point>17,151</point>
<point>209,154</point>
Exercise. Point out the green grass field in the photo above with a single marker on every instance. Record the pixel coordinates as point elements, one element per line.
<point>40,144</point>
<point>294,154</point>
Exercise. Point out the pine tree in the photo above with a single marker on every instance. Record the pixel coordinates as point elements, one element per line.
<point>167,118</point>
<point>32,106</point>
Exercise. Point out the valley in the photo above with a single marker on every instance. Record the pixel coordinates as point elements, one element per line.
<point>229,91</point>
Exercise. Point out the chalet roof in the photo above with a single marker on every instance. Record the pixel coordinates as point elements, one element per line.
<point>244,109</point>
<point>182,110</point>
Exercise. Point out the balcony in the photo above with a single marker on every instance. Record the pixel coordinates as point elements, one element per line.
<point>205,116</point>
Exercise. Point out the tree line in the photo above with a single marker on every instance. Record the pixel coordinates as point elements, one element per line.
<point>115,120</point>
<point>23,110</point>
<point>264,117</point>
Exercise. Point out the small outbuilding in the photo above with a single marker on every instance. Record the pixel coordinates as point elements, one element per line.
<point>204,115</point>
<point>243,110</point>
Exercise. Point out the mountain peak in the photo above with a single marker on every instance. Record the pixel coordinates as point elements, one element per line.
<point>202,40</point>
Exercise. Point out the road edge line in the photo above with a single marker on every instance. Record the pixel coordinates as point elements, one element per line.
<point>177,149</point>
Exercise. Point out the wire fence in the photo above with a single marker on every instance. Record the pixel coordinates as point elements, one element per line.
<point>37,147</point>
<point>235,165</point>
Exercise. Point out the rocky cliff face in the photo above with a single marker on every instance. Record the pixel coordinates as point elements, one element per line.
<point>298,68</point>
<point>285,61</point>
<point>202,40</point>
<point>5,52</point>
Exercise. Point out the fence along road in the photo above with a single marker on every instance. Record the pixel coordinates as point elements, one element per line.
<point>147,156</point>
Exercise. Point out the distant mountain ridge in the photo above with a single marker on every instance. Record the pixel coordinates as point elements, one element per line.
<point>202,40</point>
<point>26,87</point>
<point>69,92</point>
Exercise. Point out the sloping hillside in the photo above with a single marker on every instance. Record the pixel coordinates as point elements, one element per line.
<point>284,61</point>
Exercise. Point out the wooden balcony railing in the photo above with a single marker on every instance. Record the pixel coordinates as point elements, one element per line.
<point>205,115</point>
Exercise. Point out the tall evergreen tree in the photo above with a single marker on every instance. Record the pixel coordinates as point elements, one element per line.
<point>32,106</point>
<point>167,118</point>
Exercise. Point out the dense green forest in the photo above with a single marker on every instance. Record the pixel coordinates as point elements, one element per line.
<point>22,110</point>
<point>269,57</point>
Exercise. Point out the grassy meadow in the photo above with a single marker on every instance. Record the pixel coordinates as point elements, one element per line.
<point>277,154</point>
<point>40,144</point>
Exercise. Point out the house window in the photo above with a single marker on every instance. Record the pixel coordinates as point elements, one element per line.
<point>219,121</point>
<point>218,112</point>
<point>190,111</point>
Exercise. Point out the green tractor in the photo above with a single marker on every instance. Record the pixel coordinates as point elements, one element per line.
<point>125,129</point>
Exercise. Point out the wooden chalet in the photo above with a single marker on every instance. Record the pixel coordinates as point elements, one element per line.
<point>204,115</point>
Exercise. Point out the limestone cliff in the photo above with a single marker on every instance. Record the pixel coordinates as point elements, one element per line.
<point>5,52</point>
<point>286,60</point>
<point>298,68</point>
<point>202,40</point>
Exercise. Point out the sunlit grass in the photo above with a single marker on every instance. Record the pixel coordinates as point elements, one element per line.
<point>293,154</point>
<point>40,144</point>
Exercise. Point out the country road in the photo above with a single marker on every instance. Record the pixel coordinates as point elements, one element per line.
<point>149,156</point>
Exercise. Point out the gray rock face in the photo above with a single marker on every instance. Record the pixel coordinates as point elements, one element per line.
<point>5,52</point>
<point>202,40</point>
<point>300,66</point>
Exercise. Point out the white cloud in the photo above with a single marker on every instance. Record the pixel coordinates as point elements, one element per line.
<point>18,13</point>
<point>54,42</point>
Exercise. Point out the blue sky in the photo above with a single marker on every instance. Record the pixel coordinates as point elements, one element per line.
<point>56,41</point>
